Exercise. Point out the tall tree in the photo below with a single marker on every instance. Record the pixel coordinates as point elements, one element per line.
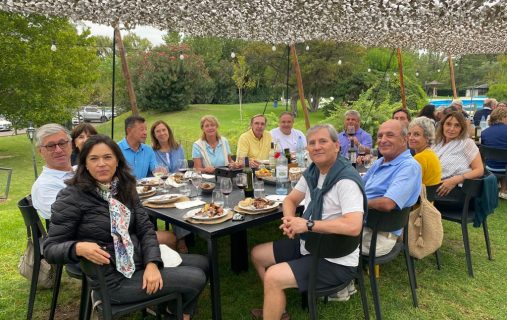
<point>36,82</point>
<point>242,79</point>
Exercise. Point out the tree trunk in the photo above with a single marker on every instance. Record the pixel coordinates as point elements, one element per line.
<point>240,93</point>
<point>294,103</point>
<point>315,104</point>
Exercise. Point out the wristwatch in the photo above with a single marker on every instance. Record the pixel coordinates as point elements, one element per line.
<point>310,224</point>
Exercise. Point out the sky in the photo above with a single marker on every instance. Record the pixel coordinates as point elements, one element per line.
<point>150,33</point>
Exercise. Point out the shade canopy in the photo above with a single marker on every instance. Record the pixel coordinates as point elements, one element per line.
<point>449,26</point>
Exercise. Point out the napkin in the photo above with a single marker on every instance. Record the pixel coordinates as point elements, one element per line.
<point>208,176</point>
<point>189,204</point>
<point>170,258</point>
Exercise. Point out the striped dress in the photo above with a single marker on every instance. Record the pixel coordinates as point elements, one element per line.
<point>456,156</point>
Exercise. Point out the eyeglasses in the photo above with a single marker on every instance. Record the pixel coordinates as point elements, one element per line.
<point>52,146</point>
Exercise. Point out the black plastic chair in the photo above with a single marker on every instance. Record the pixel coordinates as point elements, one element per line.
<point>390,221</point>
<point>331,246</point>
<point>458,207</point>
<point>495,154</point>
<point>109,311</point>
<point>74,271</point>
<point>36,232</point>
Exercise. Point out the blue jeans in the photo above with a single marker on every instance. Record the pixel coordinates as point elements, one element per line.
<point>189,279</point>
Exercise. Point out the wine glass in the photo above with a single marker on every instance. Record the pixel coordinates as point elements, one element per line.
<point>182,166</point>
<point>351,131</point>
<point>159,172</point>
<point>241,181</point>
<point>226,188</point>
<point>196,179</point>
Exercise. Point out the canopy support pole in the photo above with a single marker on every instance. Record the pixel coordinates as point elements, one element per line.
<point>402,83</point>
<point>299,80</point>
<point>113,87</point>
<point>453,81</point>
<point>126,72</point>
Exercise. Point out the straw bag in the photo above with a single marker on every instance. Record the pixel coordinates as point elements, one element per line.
<point>425,231</point>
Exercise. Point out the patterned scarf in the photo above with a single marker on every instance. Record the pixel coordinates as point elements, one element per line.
<point>120,219</point>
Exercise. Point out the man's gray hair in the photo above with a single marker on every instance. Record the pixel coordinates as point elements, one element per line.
<point>428,128</point>
<point>353,113</point>
<point>332,131</point>
<point>49,130</point>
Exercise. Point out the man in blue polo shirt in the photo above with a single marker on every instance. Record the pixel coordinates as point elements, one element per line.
<point>393,182</point>
<point>139,156</point>
<point>353,132</point>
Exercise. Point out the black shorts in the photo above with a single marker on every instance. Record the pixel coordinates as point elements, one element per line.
<point>330,274</point>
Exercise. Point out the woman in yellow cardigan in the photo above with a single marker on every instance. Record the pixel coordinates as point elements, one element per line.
<point>421,135</point>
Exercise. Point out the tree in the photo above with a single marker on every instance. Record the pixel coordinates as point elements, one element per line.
<point>242,79</point>
<point>36,83</point>
<point>168,77</point>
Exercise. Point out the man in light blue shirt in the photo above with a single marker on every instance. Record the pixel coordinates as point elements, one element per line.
<point>394,181</point>
<point>358,135</point>
<point>53,142</point>
<point>140,157</point>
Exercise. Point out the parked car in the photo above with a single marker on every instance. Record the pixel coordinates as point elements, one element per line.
<point>4,124</point>
<point>77,119</point>
<point>95,113</point>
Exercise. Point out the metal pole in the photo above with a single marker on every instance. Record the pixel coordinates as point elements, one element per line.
<point>30,131</point>
<point>34,161</point>
<point>112,86</point>
<point>287,81</point>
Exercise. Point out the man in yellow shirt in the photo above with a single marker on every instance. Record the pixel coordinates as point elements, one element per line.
<point>256,142</point>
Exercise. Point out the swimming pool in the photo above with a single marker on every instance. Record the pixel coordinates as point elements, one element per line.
<point>469,103</point>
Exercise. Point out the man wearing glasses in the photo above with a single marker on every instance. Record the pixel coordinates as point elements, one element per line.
<point>53,143</point>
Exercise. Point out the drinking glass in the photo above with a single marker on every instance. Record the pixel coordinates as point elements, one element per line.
<point>185,189</point>
<point>241,181</point>
<point>182,166</point>
<point>196,179</point>
<point>217,198</point>
<point>259,189</point>
<point>226,188</point>
<point>351,130</point>
<point>159,172</point>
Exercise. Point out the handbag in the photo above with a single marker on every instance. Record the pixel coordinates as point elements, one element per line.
<point>25,266</point>
<point>425,231</point>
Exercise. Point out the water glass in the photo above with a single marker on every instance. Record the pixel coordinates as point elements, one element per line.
<point>185,189</point>
<point>259,189</point>
<point>217,198</point>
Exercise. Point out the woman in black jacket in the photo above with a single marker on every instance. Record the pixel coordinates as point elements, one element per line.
<point>98,216</point>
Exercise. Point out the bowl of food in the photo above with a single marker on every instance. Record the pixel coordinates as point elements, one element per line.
<point>207,187</point>
<point>263,172</point>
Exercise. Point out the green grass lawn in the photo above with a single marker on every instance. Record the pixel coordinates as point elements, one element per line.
<point>445,294</point>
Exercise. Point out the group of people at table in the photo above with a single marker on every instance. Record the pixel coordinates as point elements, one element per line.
<point>87,191</point>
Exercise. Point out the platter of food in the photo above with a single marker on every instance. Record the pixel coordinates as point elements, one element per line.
<point>152,181</point>
<point>145,191</point>
<point>207,187</point>
<point>263,172</point>
<point>257,204</point>
<point>164,198</point>
<point>209,211</point>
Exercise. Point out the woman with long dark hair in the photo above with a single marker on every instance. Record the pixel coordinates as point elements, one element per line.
<point>98,216</point>
<point>79,135</point>
<point>168,152</point>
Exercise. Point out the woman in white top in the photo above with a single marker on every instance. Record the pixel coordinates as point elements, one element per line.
<point>458,154</point>
<point>211,150</point>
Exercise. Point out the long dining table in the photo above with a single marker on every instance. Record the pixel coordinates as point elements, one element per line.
<point>237,230</point>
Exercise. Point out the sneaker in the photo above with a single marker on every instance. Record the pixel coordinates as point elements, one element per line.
<point>344,294</point>
<point>351,288</point>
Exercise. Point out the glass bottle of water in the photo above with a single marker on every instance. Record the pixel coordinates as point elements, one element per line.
<point>282,175</point>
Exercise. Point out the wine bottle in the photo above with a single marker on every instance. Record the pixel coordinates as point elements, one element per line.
<point>249,179</point>
<point>352,153</point>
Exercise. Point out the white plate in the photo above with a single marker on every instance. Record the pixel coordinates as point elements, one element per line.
<point>153,181</point>
<point>252,208</point>
<point>192,214</point>
<point>276,197</point>
<point>141,192</point>
<point>165,198</point>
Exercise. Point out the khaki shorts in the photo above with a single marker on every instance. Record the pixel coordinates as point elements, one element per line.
<point>385,242</point>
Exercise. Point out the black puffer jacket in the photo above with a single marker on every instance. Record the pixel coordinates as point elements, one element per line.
<point>78,216</point>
